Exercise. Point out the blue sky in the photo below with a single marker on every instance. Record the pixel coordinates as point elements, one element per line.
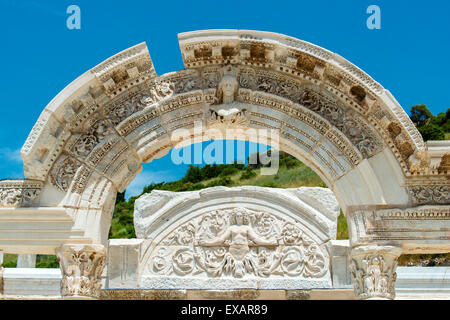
<point>40,56</point>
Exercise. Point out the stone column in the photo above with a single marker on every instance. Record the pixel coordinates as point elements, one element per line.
<point>81,268</point>
<point>373,271</point>
<point>26,261</point>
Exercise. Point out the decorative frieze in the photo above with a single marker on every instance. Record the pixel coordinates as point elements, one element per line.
<point>81,267</point>
<point>19,193</point>
<point>126,68</point>
<point>124,108</point>
<point>239,242</point>
<point>418,213</point>
<point>63,171</point>
<point>97,131</point>
<point>430,194</point>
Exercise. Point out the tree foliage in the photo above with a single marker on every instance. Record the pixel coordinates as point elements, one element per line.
<point>431,127</point>
<point>420,115</point>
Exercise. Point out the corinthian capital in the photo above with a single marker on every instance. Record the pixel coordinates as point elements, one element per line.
<point>82,267</point>
<point>373,271</point>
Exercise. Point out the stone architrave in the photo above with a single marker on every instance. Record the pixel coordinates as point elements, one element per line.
<point>81,267</point>
<point>373,271</point>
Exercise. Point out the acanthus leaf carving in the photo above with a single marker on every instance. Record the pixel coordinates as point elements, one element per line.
<point>373,271</point>
<point>82,267</point>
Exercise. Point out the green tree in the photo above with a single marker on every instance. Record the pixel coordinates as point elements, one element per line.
<point>431,127</point>
<point>193,174</point>
<point>247,173</point>
<point>120,197</point>
<point>420,115</point>
<point>431,131</point>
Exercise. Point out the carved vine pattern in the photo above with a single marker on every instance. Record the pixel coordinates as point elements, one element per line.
<point>431,194</point>
<point>263,245</point>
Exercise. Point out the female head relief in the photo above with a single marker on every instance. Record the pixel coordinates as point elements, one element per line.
<point>227,89</point>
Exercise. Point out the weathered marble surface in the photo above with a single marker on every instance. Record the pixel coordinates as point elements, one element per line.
<point>90,141</point>
<point>422,283</point>
<point>236,238</point>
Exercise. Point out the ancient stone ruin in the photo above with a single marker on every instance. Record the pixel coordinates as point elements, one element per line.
<point>90,142</point>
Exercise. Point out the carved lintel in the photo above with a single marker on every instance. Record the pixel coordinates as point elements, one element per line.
<point>430,194</point>
<point>373,271</point>
<point>19,193</point>
<point>81,267</point>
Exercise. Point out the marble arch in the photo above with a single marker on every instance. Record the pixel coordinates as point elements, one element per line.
<point>90,140</point>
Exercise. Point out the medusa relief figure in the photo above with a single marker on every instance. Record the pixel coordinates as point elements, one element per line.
<point>239,242</point>
<point>225,109</point>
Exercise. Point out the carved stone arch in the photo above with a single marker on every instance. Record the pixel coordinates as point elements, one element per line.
<point>90,140</point>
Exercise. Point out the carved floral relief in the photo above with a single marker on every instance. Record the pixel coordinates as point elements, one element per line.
<point>430,194</point>
<point>19,193</point>
<point>63,172</point>
<point>237,243</point>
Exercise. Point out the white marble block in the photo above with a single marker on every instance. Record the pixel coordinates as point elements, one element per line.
<point>236,238</point>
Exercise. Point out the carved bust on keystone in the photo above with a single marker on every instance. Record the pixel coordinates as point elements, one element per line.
<point>225,108</point>
<point>227,89</point>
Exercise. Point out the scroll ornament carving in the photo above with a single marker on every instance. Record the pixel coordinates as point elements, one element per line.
<point>237,243</point>
<point>211,80</point>
<point>347,124</point>
<point>123,109</point>
<point>430,194</point>
<point>96,133</point>
<point>338,116</point>
<point>186,85</point>
<point>63,172</point>
<point>82,267</point>
<point>18,193</point>
<point>373,272</point>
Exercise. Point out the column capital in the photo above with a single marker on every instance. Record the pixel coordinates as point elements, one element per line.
<point>81,267</point>
<point>373,273</point>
